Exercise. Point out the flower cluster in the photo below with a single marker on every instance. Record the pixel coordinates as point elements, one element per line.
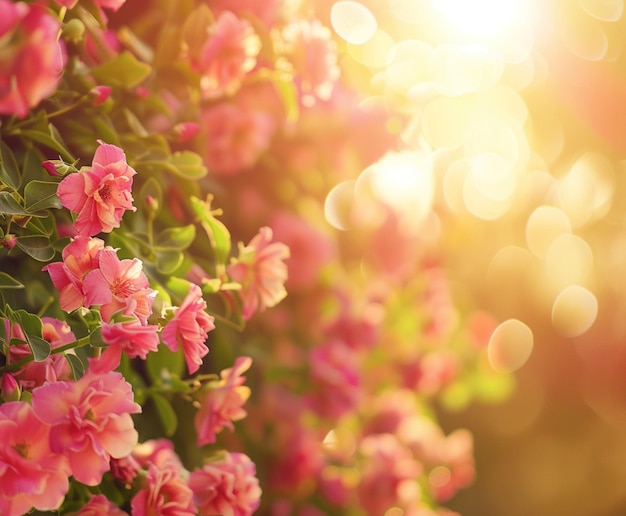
<point>139,320</point>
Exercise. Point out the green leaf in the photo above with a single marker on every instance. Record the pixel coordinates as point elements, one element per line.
<point>36,246</point>
<point>169,261</point>
<point>123,71</point>
<point>9,206</point>
<point>77,366</point>
<point>175,238</point>
<point>9,282</point>
<point>39,347</point>
<point>32,327</point>
<point>217,232</point>
<point>195,29</point>
<point>9,171</point>
<point>49,140</point>
<point>166,413</point>
<point>41,195</point>
<point>188,165</point>
<point>178,286</point>
<point>164,363</point>
<point>95,339</point>
<point>31,166</point>
<point>135,125</point>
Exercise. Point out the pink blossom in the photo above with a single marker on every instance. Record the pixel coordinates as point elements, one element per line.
<point>114,5</point>
<point>100,94</point>
<point>389,475</point>
<point>90,421</point>
<point>227,55</point>
<point>189,328</point>
<point>266,11</point>
<point>31,474</point>
<point>313,54</point>
<point>9,388</point>
<point>221,402</point>
<point>119,286</point>
<point>185,131</point>
<point>159,452</point>
<point>100,194</point>
<point>336,379</point>
<point>99,505</point>
<point>166,494</point>
<point>235,136</point>
<point>55,367</point>
<point>130,337</point>
<point>261,270</point>
<point>227,486</point>
<point>31,59</point>
<point>80,257</point>
<point>309,249</point>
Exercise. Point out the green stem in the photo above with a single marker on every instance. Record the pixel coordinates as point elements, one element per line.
<point>61,349</point>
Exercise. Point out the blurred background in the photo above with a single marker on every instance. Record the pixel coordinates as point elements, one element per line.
<point>516,113</point>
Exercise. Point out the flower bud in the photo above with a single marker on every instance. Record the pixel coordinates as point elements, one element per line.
<point>73,31</point>
<point>8,241</point>
<point>99,95</point>
<point>10,389</point>
<point>186,131</point>
<point>57,167</point>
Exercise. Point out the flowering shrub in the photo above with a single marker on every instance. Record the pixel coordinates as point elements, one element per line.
<point>142,144</point>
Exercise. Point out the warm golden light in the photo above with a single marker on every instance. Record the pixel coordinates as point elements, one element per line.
<point>479,17</point>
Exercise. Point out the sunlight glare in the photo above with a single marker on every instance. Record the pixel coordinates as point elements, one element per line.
<point>479,17</point>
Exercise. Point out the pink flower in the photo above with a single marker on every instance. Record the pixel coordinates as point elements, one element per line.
<point>189,329</point>
<point>31,59</point>
<point>100,194</point>
<point>98,505</point>
<point>309,249</point>
<point>336,380</point>
<point>236,136</point>
<point>114,5</point>
<point>266,11</point>
<point>31,474</point>
<point>55,367</point>
<point>389,475</point>
<point>9,388</point>
<point>130,337</point>
<point>227,486</point>
<point>221,403</point>
<point>227,56</point>
<point>313,54</point>
<point>261,271</point>
<point>185,131</point>
<point>159,452</point>
<point>80,257</point>
<point>100,94</point>
<point>119,286</point>
<point>90,421</point>
<point>166,494</point>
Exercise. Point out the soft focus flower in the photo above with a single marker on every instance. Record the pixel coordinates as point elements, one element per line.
<point>222,402</point>
<point>166,494</point>
<point>119,286</point>
<point>235,136</point>
<point>388,476</point>
<point>90,421</point>
<point>185,131</point>
<point>227,486</point>
<point>114,5</point>
<point>100,194</point>
<point>309,249</point>
<point>31,474</point>
<point>31,59</point>
<point>159,452</point>
<point>336,379</point>
<point>80,257</point>
<point>227,55</point>
<point>313,54</point>
<point>266,11</point>
<point>8,241</point>
<point>261,270</point>
<point>130,337</point>
<point>189,328</point>
<point>55,367</point>
<point>99,505</point>
<point>100,94</point>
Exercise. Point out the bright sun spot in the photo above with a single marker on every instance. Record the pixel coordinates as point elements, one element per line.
<point>479,17</point>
